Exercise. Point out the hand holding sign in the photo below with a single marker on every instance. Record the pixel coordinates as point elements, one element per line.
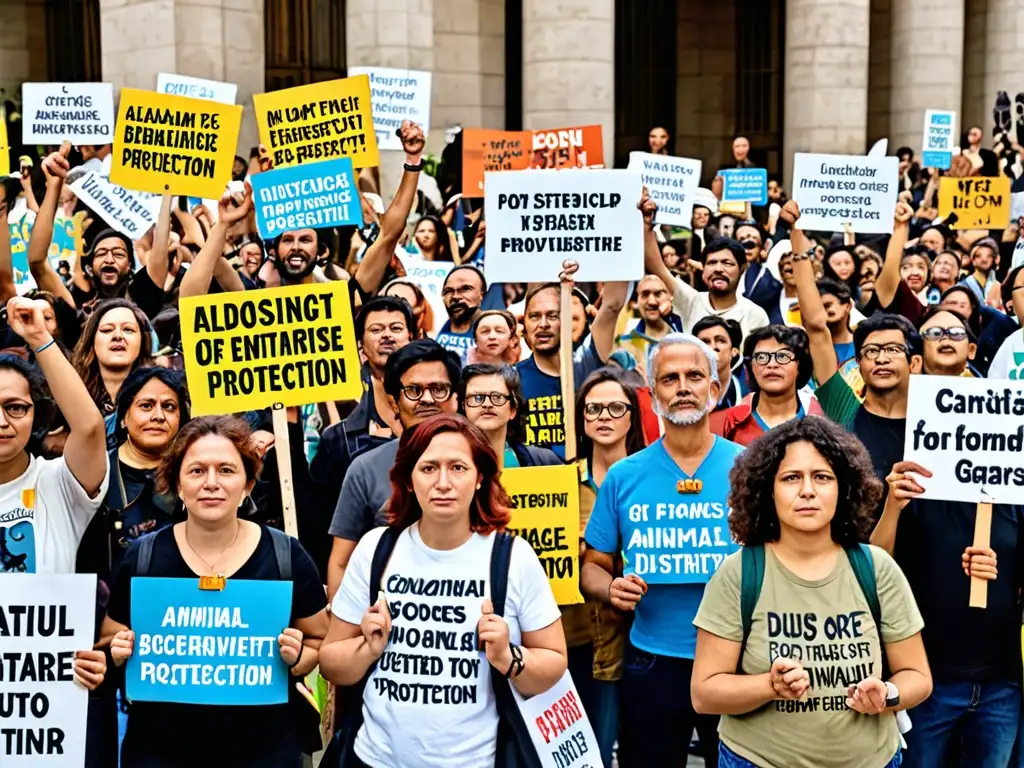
<point>90,669</point>
<point>56,165</point>
<point>376,626</point>
<point>413,141</point>
<point>902,487</point>
<point>26,319</point>
<point>625,592</point>
<point>789,679</point>
<point>648,208</point>
<point>867,697</point>
<point>229,211</point>
<point>121,647</point>
<point>980,563</point>
<point>289,644</point>
<point>493,633</point>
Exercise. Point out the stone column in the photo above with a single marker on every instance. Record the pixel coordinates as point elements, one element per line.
<point>879,71</point>
<point>977,103</point>
<point>927,60</point>
<point>569,66</point>
<point>214,39</point>
<point>826,78</point>
<point>22,50</point>
<point>1004,55</point>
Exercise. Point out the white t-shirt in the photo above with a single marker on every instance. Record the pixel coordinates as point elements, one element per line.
<point>429,702</point>
<point>43,516</point>
<point>691,305</point>
<point>1009,360</point>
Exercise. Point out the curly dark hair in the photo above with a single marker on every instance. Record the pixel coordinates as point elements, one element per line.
<point>753,519</point>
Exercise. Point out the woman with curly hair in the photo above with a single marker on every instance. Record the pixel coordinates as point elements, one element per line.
<point>808,642</point>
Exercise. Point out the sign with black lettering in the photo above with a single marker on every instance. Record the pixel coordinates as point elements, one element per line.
<point>44,620</point>
<point>978,202</point>
<point>833,190</point>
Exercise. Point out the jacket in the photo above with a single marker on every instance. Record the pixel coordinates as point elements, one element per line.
<point>739,425</point>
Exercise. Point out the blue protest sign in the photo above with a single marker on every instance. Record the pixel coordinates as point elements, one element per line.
<point>937,149</point>
<point>311,195</point>
<point>196,646</point>
<point>745,185</point>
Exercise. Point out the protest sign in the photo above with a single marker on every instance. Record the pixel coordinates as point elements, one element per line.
<point>5,146</point>
<point>318,122</point>
<point>196,88</point>
<point>979,202</point>
<point>202,646</point>
<point>429,276</point>
<point>174,144</point>
<point>129,212</point>
<point>63,247</point>
<point>396,95</point>
<point>82,113</point>
<point>559,727</point>
<point>937,145</point>
<point>306,196</point>
<point>251,350</point>
<point>546,513</point>
<point>590,217</point>
<point>44,621</point>
<point>485,150</point>
<point>833,190</point>
<point>745,185</point>
<point>969,433</point>
<point>671,182</point>
<point>580,147</point>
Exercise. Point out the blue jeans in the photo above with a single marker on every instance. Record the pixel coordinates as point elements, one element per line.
<point>729,759</point>
<point>600,699</point>
<point>981,719</point>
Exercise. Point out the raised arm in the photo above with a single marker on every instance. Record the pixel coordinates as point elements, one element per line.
<point>55,168</point>
<point>196,281</point>
<point>7,286</point>
<point>889,278</point>
<point>653,263</point>
<point>602,330</point>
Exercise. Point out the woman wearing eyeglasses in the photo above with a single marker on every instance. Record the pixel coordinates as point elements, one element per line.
<point>778,363</point>
<point>948,344</point>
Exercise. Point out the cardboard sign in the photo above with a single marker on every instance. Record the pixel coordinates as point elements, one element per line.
<point>979,202</point>
<point>129,212</point>
<point>219,648</point>
<point>969,433</point>
<point>535,220</point>
<point>672,182</point>
<point>938,141</point>
<point>251,350</point>
<point>318,122</point>
<point>396,95</point>
<point>196,88</point>
<point>833,190</point>
<point>546,513</point>
<point>559,727</point>
<point>306,197</point>
<point>174,144</point>
<point>430,277</point>
<point>44,620</point>
<point>745,185</point>
<point>82,113</point>
<point>63,247</point>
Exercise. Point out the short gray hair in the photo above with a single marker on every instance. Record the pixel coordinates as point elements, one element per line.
<point>676,339</point>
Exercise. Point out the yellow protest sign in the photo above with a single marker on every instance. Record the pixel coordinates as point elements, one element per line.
<point>173,144</point>
<point>546,513</point>
<point>979,202</point>
<point>249,350</point>
<point>5,147</point>
<point>318,122</point>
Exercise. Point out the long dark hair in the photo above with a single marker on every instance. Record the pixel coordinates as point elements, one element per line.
<point>84,357</point>
<point>634,435</point>
<point>137,379</point>
<point>44,409</point>
<point>443,249</point>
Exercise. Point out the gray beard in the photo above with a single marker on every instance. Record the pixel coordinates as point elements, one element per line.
<point>684,418</point>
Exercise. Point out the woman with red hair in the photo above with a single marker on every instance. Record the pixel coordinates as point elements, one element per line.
<point>426,641</point>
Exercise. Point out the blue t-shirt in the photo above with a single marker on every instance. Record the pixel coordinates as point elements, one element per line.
<point>459,343</point>
<point>664,616</point>
<point>844,351</point>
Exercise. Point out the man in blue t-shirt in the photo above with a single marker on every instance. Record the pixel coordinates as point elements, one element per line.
<point>665,508</point>
<point>462,292</point>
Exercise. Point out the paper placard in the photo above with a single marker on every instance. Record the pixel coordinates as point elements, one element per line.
<point>82,113</point>
<point>396,95</point>
<point>210,647</point>
<point>173,144</point>
<point>127,211</point>
<point>546,513</point>
<point>559,727</point>
<point>979,202</point>
<point>249,350</point>
<point>745,185</point>
<point>63,247</point>
<point>577,147</point>
<point>5,146</point>
<point>307,196</point>
<point>937,144</point>
<point>430,277</point>
<point>535,220</point>
<point>833,190</point>
<point>44,620</point>
<point>318,122</point>
<point>672,182</point>
<point>196,88</point>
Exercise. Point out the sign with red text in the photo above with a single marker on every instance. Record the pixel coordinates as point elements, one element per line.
<point>558,725</point>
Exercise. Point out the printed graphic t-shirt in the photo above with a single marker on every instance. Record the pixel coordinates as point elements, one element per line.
<point>43,516</point>
<point>429,702</point>
<point>459,343</point>
<point>827,625</point>
<point>1009,360</point>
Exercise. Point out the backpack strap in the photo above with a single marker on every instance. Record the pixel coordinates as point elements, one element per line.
<point>282,552</point>
<point>146,544</point>
<point>751,579</point>
<point>381,555</point>
<point>501,559</point>
<point>863,565</point>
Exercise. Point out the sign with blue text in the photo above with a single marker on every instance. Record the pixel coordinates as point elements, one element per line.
<point>307,196</point>
<point>672,183</point>
<point>218,648</point>
<point>196,88</point>
<point>937,145</point>
<point>745,185</point>
<point>396,95</point>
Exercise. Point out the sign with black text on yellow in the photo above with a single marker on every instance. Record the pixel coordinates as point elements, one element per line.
<point>979,202</point>
<point>546,513</point>
<point>174,145</point>
<point>249,350</point>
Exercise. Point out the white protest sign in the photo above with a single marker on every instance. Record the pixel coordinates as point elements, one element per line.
<point>82,113</point>
<point>672,183</point>
<point>429,276</point>
<point>196,88</point>
<point>44,620</point>
<point>879,148</point>
<point>587,215</point>
<point>129,212</point>
<point>969,433</point>
<point>558,725</point>
<point>396,95</point>
<point>833,190</point>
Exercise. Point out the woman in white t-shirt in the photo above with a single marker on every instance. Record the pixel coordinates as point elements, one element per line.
<point>429,699</point>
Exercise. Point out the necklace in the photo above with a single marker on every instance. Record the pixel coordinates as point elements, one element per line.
<point>212,568</point>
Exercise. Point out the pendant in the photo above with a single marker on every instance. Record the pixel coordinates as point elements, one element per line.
<point>212,583</point>
<point>690,485</point>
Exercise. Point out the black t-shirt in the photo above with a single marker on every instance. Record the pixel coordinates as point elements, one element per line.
<point>883,437</point>
<point>963,643</point>
<point>191,736</point>
<point>141,289</point>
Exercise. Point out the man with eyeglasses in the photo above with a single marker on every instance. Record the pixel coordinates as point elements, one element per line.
<point>420,380</point>
<point>462,292</point>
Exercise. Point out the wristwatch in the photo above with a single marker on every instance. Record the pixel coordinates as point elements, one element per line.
<point>892,695</point>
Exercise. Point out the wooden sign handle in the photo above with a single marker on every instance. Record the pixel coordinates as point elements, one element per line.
<point>284,469</point>
<point>565,363</point>
<point>982,538</point>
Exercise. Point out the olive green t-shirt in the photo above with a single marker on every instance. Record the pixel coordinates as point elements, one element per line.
<point>827,626</point>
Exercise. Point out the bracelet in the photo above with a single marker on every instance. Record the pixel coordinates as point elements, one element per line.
<point>414,168</point>
<point>297,658</point>
<point>803,256</point>
<point>515,669</point>
<point>45,346</point>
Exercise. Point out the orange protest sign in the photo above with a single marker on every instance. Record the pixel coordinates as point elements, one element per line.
<point>567,148</point>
